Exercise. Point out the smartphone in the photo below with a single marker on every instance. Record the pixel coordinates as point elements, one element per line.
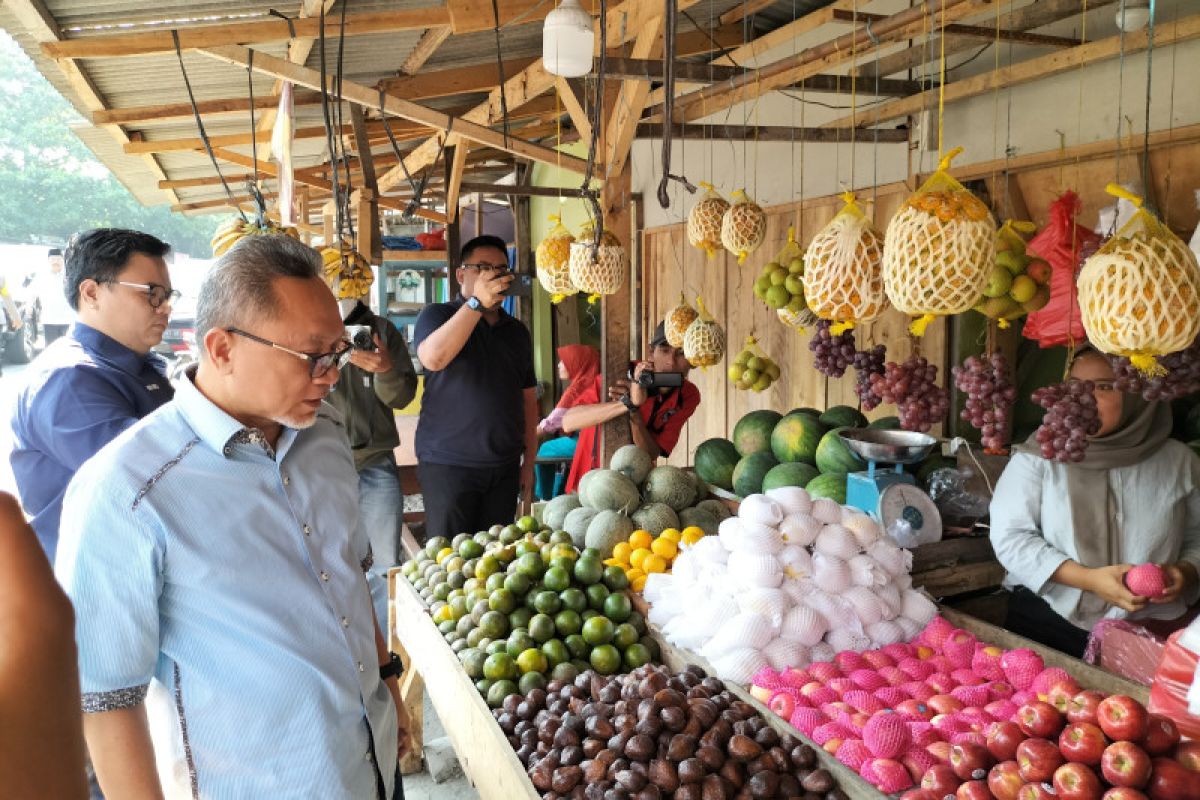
<point>521,286</point>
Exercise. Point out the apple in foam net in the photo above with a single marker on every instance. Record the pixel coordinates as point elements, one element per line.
<point>1122,718</point>
<point>944,703</point>
<point>1039,719</point>
<point>1083,743</point>
<point>1077,782</point>
<point>1038,759</point>
<point>1125,764</point>
<point>1004,780</point>
<point>914,709</point>
<point>1162,736</point>
<point>1003,738</point>
<point>1083,705</point>
<point>1170,780</point>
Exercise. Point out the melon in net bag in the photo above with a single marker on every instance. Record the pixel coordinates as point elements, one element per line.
<point>704,341</point>
<point>843,279</point>
<point>704,221</point>
<point>743,226</point>
<point>678,320</point>
<point>600,273</point>
<point>553,261</point>
<point>938,249</point>
<point>1139,294</point>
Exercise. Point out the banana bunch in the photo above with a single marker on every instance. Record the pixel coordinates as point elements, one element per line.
<point>235,228</point>
<point>347,272</point>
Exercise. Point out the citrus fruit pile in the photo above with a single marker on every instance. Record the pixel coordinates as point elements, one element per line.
<point>643,554</point>
<point>520,605</point>
<point>781,285</point>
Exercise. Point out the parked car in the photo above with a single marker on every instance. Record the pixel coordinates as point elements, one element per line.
<point>179,339</point>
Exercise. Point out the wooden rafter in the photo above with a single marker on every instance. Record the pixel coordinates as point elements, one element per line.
<point>182,112</point>
<point>471,16</point>
<point>574,108</point>
<point>428,44</point>
<point>445,82</point>
<point>270,29</point>
<point>213,180</point>
<point>458,163</point>
<point>688,72</point>
<point>763,133</point>
<point>631,102</point>
<point>742,10</point>
<point>973,31</point>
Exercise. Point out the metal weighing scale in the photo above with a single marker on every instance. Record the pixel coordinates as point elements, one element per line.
<point>890,494</point>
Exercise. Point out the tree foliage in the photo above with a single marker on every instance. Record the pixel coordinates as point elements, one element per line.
<point>53,186</point>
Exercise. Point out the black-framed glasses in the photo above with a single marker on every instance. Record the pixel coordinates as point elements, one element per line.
<point>156,293</point>
<point>483,267</point>
<point>318,363</point>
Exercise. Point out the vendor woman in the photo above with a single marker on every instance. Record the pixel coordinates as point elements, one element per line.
<point>1068,533</point>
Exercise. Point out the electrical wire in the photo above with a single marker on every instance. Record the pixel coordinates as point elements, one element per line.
<point>499,68</point>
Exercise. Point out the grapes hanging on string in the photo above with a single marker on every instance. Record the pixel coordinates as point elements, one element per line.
<point>990,397</point>
<point>1071,417</point>
<point>912,386</point>
<point>868,363</point>
<point>832,353</point>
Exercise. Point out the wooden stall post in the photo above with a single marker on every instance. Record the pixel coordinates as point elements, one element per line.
<point>370,243</point>
<point>302,215</point>
<point>412,686</point>
<point>453,240</point>
<point>616,345</point>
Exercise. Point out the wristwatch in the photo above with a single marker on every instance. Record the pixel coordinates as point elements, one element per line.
<point>628,403</point>
<point>474,304</point>
<point>392,669</point>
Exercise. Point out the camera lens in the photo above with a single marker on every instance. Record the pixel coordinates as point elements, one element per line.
<point>362,339</point>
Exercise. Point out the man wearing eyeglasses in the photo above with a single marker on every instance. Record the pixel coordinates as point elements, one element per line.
<point>476,440</point>
<point>99,379</point>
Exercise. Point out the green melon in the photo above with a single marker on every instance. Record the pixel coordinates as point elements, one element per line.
<point>576,524</point>
<point>670,485</point>
<point>556,510</point>
<point>699,518</point>
<point>752,433</point>
<point>792,474</point>
<point>816,412</point>
<point>584,482</point>
<point>885,424</point>
<point>633,462</point>
<point>655,517</point>
<point>606,529</point>
<point>716,508</point>
<point>698,484</point>
<point>834,456</point>
<point>829,484</point>
<point>608,490</point>
<point>714,462</point>
<point>749,473</point>
<point>843,417</point>
<point>796,437</point>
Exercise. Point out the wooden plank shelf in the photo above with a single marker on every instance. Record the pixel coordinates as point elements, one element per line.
<point>428,256</point>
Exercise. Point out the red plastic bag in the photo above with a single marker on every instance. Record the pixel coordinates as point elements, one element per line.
<point>1172,680</point>
<point>1064,245</point>
<point>432,241</point>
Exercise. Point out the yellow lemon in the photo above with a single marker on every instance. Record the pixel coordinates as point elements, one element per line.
<point>670,533</point>
<point>613,562</point>
<point>692,535</point>
<point>665,548</point>
<point>633,573</point>
<point>640,539</point>
<point>444,553</point>
<point>638,556</point>
<point>443,614</point>
<point>622,551</point>
<point>654,563</point>
<point>638,583</point>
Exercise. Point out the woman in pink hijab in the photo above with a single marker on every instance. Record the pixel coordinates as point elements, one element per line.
<point>578,366</point>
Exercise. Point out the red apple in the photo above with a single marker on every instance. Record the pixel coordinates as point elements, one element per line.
<point>974,790</point>
<point>971,761</point>
<point>1082,707</point>
<point>1123,793</point>
<point>1082,743</point>
<point>1077,782</point>
<point>1003,738</point>
<point>1188,754</point>
<point>1170,780</point>
<point>940,751</point>
<point>1005,781</point>
<point>1162,736</point>
<point>1125,764</point>
<point>944,704</point>
<point>940,780</point>
<point>1038,758</point>
<point>1061,692</point>
<point>782,704</point>
<point>1122,718</point>
<point>918,794</point>
<point>1040,719</point>
<point>1036,791</point>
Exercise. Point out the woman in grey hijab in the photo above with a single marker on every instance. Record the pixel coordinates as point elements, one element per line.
<point>1068,533</point>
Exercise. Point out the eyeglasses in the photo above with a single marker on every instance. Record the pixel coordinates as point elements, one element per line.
<point>156,294</point>
<point>1105,386</point>
<point>486,267</point>
<point>318,363</point>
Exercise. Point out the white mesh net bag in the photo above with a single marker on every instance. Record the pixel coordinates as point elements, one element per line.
<point>1139,294</point>
<point>678,320</point>
<point>843,280</point>
<point>743,227</point>
<point>601,274</point>
<point>704,221</point>
<point>553,261</point>
<point>704,342</point>
<point>938,250</point>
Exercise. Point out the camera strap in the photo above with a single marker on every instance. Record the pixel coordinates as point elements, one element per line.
<point>654,425</point>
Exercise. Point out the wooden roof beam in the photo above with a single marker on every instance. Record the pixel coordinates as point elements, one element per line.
<point>631,102</point>
<point>570,101</point>
<point>764,133</point>
<point>182,112</point>
<point>689,72</point>
<point>747,8</point>
<point>269,29</point>
<point>214,180</point>
<point>973,31</point>
<point>446,82</point>
<point>428,44</point>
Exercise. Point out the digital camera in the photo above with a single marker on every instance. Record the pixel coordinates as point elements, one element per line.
<point>361,336</point>
<point>650,379</point>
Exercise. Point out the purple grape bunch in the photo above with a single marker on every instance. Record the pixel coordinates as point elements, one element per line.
<point>1182,376</point>
<point>990,397</point>
<point>868,363</point>
<point>912,386</point>
<point>832,353</point>
<point>1071,417</point>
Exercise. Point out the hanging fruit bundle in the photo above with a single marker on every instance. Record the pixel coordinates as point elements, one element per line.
<point>347,272</point>
<point>786,270</point>
<point>704,341</point>
<point>236,228</point>
<point>553,261</point>
<point>743,227</point>
<point>752,370</point>
<point>601,273</point>
<point>1182,376</point>
<point>1064,245</point>
<point>843,281</point>
<point>1018,283</point>
<point>987,383</point>
<point>1140,293</point>
<point>678,320</point>
<point>912,386</point>
<point>1071,417</point>
<point>704,221</point>
<point>938,250</point>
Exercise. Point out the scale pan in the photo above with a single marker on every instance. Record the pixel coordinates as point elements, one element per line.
<point>888,447</point>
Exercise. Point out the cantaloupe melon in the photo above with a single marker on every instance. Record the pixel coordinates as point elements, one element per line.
<point>606,529</point>
<point>633,462</point>
<point>555,512</point>
<point>667,484</point>
<point>656,518</point>
<point>576,524</point>
<point>716,508</point>
<point>609,490</point>
<point>700,518</point>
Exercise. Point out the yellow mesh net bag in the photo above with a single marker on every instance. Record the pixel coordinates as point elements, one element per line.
<point>601,274</point>
<point>843,281</point>
<point>1017,283</point>
<point>553,261</point>
<point>795,314</point>
<point>1139,294</point>
<point>347,272</point>
<point>938,250</point>
<point>743,227</point>
<point>704,341</point>
<point>678,320</point>
<point>752,369</point>
<point>704,221</point>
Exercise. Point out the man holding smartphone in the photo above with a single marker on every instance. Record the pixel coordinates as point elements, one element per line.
<point>477,435</point>
<point>657,399</point>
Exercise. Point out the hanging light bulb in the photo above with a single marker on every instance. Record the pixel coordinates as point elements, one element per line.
<point>1133,15</point>
<point>568,41</point>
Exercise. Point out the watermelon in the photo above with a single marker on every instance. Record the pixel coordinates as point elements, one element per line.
<point>655,517</point>
<point>829,484</point>
<point>749,473</point>
<point>633,462</point>
<point>834,456</point>
<point>796,437</point>
<point>714,462</point>
<point>608,490</point>
<point>796,474</point>
<point>752,433</point>
<point>816,412</point>
<point>885,424</point>
<point>844,417</point>
<point>670,485</point>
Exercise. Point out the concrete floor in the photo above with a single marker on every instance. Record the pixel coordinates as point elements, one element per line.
<point>422,786</point>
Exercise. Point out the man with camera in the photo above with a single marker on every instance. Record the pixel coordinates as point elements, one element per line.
<point>477,437</point>
<point>378,380</point>
<point>655,396</point>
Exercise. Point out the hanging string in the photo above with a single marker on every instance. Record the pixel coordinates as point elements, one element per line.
<point>339,126</point>
<point>329,138</point>
<point>597,107</point>
<point>1079,109</point>
<point>942,83</point>
<point>874,128</point>
<point>1149,81</point>
<point>853,94</point>
<point>260,205</point>
<point>499,68</point>
<point>1166,212</point>
<point>1120,89</point>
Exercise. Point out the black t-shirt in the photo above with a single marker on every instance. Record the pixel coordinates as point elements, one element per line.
<point>473,411</point>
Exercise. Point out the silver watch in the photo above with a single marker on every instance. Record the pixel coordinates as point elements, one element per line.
<point>474,304</point>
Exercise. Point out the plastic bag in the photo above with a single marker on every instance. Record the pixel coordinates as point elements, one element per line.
<point>1171,691</point>
<point>553,261</point>
<point>752,369</point>
<point>704,221</point>
<point>1064,245</point>
<point>743,227</point>
<point>1139,294</point>
<point>843,280</point>
<point>939,249</point>
<point>1019,281</point>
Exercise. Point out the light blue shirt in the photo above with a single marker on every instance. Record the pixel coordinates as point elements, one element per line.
<point>232,577</point>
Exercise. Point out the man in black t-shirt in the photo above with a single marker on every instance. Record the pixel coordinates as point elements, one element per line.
<point>477,435</point>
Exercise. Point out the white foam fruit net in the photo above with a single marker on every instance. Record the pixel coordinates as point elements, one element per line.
<point>602,274</point>
<point>843,279</point>
<point>938,250</point>
<point>553,261</point>
<point>704,341</point>
<point>704,221</point>
<point>743,226</point>
<point>1139,294</point>
<point>678,320</point>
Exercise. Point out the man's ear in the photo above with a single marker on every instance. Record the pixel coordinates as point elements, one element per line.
<point>218,343</point>
<point>89,291</point>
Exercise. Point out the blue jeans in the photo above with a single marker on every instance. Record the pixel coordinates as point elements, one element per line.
<point>549,482</point>
<point>380,517</point>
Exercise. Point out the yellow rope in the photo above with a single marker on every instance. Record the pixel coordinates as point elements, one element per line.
<point>942,81</point>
